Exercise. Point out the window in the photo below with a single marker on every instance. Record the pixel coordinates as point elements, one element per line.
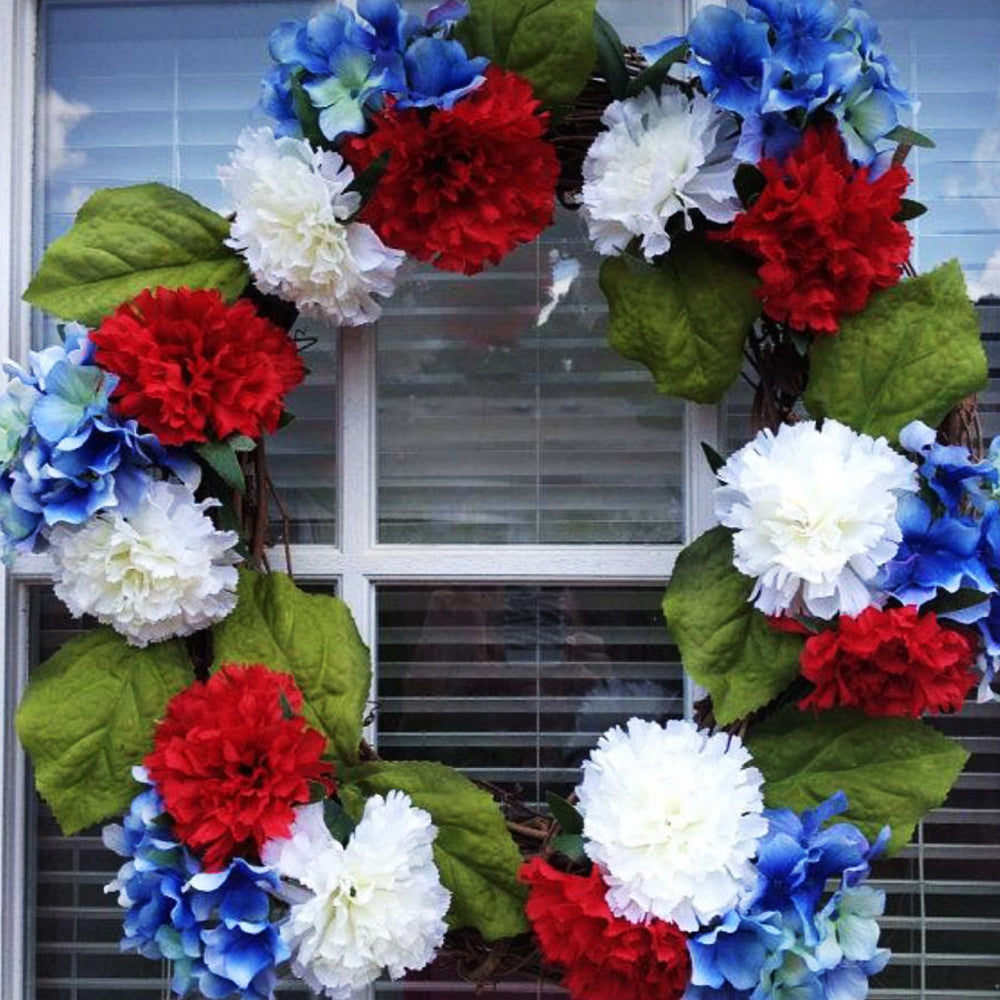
<point>499,503</point>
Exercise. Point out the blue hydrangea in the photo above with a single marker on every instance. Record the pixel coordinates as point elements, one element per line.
<point>348,63</point>
<point>785,942</point>
<point>214,927</point>
<point>789,60</point>
<point>65,456</point>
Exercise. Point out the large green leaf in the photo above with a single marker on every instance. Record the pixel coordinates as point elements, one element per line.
<point>911,355</point>
<point>311,636</point>
<point>686,319</point>
<point>87,718</point>
<point>893,771</point>
<point>128,239</point>
<point>725,644</point>
<point>549,42</point>
<point>474,851</point>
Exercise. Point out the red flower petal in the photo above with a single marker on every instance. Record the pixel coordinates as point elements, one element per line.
<point>894,662</point>
<point>231,766</point>
<point>191,368</point>
<point>824,232</point>
<point>604,957</point>
<point>463,186</point>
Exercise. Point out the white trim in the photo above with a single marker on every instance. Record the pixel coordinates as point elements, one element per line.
<point>18,34</point>
<point>455,564</point>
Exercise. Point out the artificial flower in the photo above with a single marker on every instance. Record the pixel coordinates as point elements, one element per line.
<point>163,571</point>
<point>242,948</point>
<point>727,54</point>
<point>785,941</point>
<point>672,816</point>
<point>192,368</point>
<point>889,662</point>
<point>601,955</point>
<point>962,484</point>
<point>375,904</point>
<point>16,403</point>
<point>660,155</point>
<point>825,234</point>
<point>814,514</point>
<point>463,186</point>
<point>800,853</point>
<point>232,758</point>
<point>292,224</point>
<point>869,111</point>
<point>347,62</point>
<point>942,551</point>
<point>67,457</point>
<point>214,928</point>
<point>159,922</point>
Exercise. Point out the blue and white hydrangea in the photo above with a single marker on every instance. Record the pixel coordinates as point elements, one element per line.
<point>215,928</point>
<point>348,62</point>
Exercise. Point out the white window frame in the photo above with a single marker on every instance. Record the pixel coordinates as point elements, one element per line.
<point>357,564</point>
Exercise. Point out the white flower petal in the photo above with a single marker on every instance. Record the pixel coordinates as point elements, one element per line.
<point>291,225</point>
<point>815,515</point>
<point>659,156</point>
<point>376,904</point>
<point>164,572</point>
<point>672,816</point>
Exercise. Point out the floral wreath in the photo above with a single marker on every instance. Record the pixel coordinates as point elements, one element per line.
<point>745,184</point>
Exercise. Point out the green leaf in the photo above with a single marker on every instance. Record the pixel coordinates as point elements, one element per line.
<point>125,240</point>
<point>610,57</point>
<point>945,603</point>
<point>565,814</point>
<point>338,821</point>
<point>310,636</point>
<point>306,112</point>
<point>240,442</point>
<point>366,181</point>
<point>653,76</point>
<point>686,319</point>
<point>570,844</point>
<point>475,854</point>
<point>913,354</point>
<point>714,459</point>
<point>725,644</point>
<point>909,137</point>
<point>220,456</point>
<point>87,719</point>
<point>893,771</point>
<point>909,209</point>
<point>550,42</point>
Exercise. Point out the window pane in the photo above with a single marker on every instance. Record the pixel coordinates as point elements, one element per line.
<point>495,430</point>
<point>515,684</point>
<point>947,59</point>
<point>159,92</point>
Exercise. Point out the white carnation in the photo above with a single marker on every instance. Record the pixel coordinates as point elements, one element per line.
<point>672,816</point>
<point>660,156</point>
<point>163,572</point>
<point>815,515</point>
<point>292,212</point>
<point>376,904</point>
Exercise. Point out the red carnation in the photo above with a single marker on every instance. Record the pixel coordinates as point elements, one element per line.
<point>894,662</point>
<point>604,957</point>
<point>463,186</point>
<point>231,762</point>
<point>824,230</point>
<point>192,368</point>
